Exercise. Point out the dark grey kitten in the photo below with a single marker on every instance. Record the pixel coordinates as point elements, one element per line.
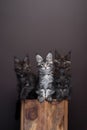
<point>62,76</point>
<point>26,82</point>
<point>26,79</point>
<point>45,89</point>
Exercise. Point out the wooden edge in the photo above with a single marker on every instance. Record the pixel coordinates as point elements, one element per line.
<point>22,118</point>
<point>65,115</point>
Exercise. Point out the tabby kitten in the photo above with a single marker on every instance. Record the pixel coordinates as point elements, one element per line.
<point>45,87</point>
<point>62,76</point>
<point>26,79</point>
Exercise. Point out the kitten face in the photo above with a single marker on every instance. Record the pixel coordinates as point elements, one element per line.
<point>44,65</point>
<point>62,62</point>
<point>22,67</point>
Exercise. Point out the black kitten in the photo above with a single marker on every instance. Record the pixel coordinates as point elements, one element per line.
<point>26,79</point>
<point>26,82</point>
<point>62,76</point>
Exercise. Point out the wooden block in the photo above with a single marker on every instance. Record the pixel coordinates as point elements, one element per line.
<point>44,116</point>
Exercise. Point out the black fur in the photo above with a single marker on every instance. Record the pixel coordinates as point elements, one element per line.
<point>26,80</point>
<point>62,76</point>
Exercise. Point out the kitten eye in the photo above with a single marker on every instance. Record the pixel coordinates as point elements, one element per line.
<point>42,65</point>
<point>47,63</point>
<point>58,63</point>
<point>66,64</point>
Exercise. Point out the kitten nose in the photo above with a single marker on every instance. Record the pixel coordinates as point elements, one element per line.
<point>45,66</point>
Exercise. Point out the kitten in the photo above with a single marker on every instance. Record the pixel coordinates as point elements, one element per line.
<point>26,82</point>
<point>62,76</point>
<point>45,89</point>
<point>26,79</point>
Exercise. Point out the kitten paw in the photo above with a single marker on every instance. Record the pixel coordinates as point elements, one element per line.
<point>41,99</point>
<point>49,99</point>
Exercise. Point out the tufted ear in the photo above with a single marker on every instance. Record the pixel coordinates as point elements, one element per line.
<point>57,55</point>
<point>49,57</point>
<point>39,59</point>
<point>26,59</point>
<point>68,56</point>
<point>16,60</point>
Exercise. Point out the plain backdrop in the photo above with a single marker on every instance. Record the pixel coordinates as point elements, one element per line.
<point>38,26</point>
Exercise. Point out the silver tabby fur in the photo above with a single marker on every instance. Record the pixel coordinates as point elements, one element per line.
<point>45,87</point>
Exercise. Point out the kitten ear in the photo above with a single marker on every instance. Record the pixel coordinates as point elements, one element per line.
<point>16,60</point>
<point>49,57</point>
<point>39,59</point>
<point>26,59</point>
<point>68,56</point>
<point>57,55</point>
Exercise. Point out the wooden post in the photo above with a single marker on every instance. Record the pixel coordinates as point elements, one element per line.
<point>44,116</point>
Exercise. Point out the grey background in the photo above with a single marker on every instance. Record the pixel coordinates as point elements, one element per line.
<point>37,26</point>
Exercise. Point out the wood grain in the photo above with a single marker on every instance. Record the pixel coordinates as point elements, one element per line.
<point>44,116</point>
